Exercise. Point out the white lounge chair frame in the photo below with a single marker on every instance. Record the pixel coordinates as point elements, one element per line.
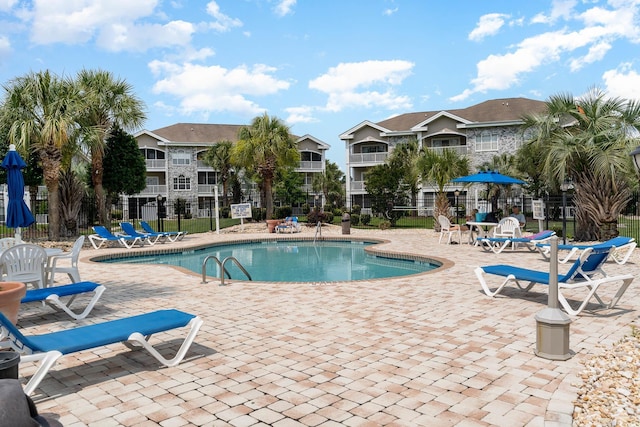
<point>619,254</point>
<point>52,296</point>
<point>499,244</point>
<point>578,280</point>
<point>46,359</point>
<point>128,242</point>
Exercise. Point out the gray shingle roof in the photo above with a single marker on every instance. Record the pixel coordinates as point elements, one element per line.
<point>494,110</point>
<point>199,132</point>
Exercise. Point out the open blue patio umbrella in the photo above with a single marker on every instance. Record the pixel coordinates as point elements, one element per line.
<point>18,213</point>
<point>489,177</point>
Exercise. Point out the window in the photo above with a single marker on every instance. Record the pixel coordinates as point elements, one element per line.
<point>180,158</point>
<point>374,149</point>
<point>153,180</point>
<point>448,142</point>
<point>207,178</point>
<point>151,154</point>
<point>182,183</point>
<point>309,156</point>
<point>487,141</point>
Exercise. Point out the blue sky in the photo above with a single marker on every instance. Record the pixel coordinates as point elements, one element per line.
<point>324,66</point>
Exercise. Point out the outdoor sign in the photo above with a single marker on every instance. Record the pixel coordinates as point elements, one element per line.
<point>241,210</point>
<point>538,209</point>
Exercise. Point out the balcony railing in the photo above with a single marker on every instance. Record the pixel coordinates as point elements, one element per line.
<point>459,149</point>
<point>357,186</point>
<point>208,189</point>
<point>310,165</point>
<point>154,190</point>
<point>156,163</point>
<point>368,157</point>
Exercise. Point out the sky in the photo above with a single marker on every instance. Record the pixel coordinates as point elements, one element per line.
<point>325,66</point>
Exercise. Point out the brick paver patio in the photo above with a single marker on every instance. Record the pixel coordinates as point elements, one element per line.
<point>423,350</point>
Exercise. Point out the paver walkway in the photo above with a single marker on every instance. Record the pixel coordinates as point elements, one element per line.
<point>424,350</point>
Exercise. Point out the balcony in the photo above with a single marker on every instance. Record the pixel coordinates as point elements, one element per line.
<point>153,190</point>
<point>156,163</point>
<point>310,166</point>
<point>208,189</point>
<point>369,158</point>
<point>204,165</point>
<point>459,149</point>
<point>357,186</point>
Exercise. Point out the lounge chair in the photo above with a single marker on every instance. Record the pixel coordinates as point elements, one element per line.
<point>171,235</point>
<point>103,236</point>
<point>620,247</point>
<point>130,230</point>
<point>49,347</point>
<point>53,294</point>
<point>498,244</point>
<point>581,275</point>
<point>290,225</point>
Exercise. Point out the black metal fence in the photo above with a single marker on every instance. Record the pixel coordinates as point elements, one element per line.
<point>198,215</point>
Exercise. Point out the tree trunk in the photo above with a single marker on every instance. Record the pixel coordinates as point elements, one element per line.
<point>97,177</point>
<point>268,198</point>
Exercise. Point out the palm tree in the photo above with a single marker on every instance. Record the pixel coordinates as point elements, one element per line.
<point>219,158</point>
<point>107,102</point>
<point>41,109</point>
<point>406,154</point>
<point>264,147</point>
<point>588,139</point>
<point>439,168</point>
<point>505,164</point>
<point>330,183</point>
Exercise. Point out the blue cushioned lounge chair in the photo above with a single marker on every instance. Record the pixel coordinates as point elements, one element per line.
<point>52,295</point>
<point>103,235</point>
<point>581,275</point>
<point>498,244</point>
<point>620,247</point>
<point>171,235</point>
<point>48,348</point>
<point>130,230</point>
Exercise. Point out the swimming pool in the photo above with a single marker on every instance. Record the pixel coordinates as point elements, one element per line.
<point>292,261</point>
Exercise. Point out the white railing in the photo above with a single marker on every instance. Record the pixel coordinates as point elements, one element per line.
<point>310,165</point>
<point>156,163</point>
<point>459,149</point>
<point>209,189</point>
<point>367,158</point>
<point>357,185</point>
<point>154,190</point>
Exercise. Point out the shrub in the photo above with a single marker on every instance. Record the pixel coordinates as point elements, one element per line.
<point>355,219</point>
<point>116,214</point>
<point>337,212</point>
<point>365,219</point>
<point>283,211</point>
<point>356,209</point>
<point>225,212</point>
<point>258,214</point>
<point>329,215</point>
<point>384,225</point>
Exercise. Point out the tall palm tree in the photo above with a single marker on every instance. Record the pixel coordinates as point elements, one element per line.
<point>588,139</point>
<point>264,147</point>
<point>219,158</point>
<point>329,182</point>
<point>41,108</point>
<point>439,168</point>
<point>107,102</point>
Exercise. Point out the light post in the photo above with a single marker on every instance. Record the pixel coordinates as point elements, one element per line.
<point>566,185</point>
<point>457,193</point>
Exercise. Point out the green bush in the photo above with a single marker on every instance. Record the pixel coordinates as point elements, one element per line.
<point>355,219</point>
<point>329,215</point>
<point>225,212</point>
<point>365,219</point>
<point>116,214</point>
<point>337,212</point>
<point>384,225</point>
<point>283,211</point>
<point>356,209</point>
<point>258,214</point>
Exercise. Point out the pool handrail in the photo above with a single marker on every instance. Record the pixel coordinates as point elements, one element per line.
<point>223,269</point>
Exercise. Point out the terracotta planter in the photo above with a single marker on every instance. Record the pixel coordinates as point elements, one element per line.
<point>10,295</point>
<point>271,224</point>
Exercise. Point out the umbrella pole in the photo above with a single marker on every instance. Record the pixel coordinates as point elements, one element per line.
<point>18,235</point>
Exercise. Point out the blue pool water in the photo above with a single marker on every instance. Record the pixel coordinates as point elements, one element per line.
<point>291,261</point>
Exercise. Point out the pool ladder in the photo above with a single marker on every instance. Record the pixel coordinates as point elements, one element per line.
<point>223,269</point>
<point>318,230</point>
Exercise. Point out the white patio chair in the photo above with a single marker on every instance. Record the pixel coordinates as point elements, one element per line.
<point>69,261</point>
<point>448,229</point>
<point>24,263</point>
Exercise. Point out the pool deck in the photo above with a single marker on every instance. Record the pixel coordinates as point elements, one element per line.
<point>422,350</point>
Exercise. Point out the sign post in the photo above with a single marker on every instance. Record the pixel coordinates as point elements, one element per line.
<point>242,211</point>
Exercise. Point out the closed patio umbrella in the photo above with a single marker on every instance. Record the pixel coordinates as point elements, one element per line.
<point>18,213</point>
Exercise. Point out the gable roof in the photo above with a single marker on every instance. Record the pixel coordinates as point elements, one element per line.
<point>492,111</point>
<point>199,132</point>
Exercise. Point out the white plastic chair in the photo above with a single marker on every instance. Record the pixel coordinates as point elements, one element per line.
<point>24,263</point>
<point>508,227</point>
<point>446,228</point>
<point>6,243</point>
<point>70,267</point>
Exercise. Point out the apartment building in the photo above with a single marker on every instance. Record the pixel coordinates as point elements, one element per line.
<point>481,131</point>
<point>176,167</point>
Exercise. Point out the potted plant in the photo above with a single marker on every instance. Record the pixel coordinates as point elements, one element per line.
<point>11,293</point>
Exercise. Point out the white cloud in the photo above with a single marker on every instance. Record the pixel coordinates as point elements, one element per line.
<point>7,5</point>
<point>601,28</point>
<point>347,84</point>
<point>5,47</point>
<point>488,25</point>
<point>120,37</point>
<point>623,82</point>
<point>560,9</point>
<point>205,89</point>
<point>303,114</point>
<point>285,7</point>
<point>222,23</point>
<point>389,12</point>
